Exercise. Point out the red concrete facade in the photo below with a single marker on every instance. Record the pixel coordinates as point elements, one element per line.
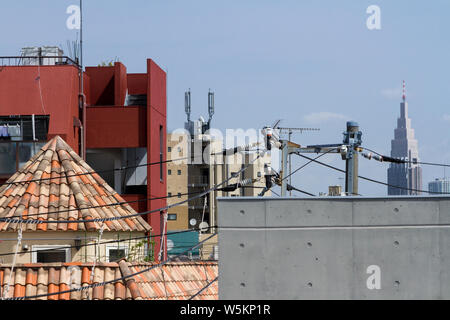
<point>44,90</point>
<point>53,91</point>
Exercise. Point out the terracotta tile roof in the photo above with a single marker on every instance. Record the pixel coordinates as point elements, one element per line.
<point>42,199</point>
<point>182,280</point>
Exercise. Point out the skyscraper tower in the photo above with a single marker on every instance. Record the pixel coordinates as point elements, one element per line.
<point>404,146</point>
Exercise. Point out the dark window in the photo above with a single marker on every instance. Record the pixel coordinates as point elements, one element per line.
<point>116,254</point>
<point>169,149</point>
<point>172,216</point>
<point>179,172</point>
<point>169,194</point>
<point>20,128</point>
<point>136,100</point>
<point>51,256</point>
<point>169,172</point>
<point>135,189</point>
<point>179,195</point>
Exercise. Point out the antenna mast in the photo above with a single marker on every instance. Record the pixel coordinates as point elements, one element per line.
<point>187,104</point>
<point>210,105</point>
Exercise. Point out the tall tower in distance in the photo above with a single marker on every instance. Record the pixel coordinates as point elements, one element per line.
<point>404,146</point>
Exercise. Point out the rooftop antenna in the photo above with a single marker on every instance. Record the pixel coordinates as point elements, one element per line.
<point>210,105</point>
<point>187,104</point>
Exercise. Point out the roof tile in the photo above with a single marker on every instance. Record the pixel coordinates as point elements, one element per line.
<point>32,279</point>
<point>80,191</point>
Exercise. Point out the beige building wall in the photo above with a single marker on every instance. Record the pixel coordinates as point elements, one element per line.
<point>192,178</point>
<point>177,186</point>
<point>38,240</point>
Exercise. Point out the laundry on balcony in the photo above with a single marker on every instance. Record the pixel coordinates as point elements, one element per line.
<point>4,132</point>
<point>14,132</point>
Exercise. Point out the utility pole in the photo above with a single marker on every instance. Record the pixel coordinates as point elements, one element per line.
<point>81,95</point>
<point>352,138</point>
<point>348,150</point>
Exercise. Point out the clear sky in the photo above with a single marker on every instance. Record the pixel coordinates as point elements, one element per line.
<point>308,62</point>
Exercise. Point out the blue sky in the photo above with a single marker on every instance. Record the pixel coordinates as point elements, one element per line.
<point>309,62</point>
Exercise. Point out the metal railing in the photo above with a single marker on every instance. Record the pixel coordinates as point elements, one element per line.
<point>6,61</point>
<point>198,181</point>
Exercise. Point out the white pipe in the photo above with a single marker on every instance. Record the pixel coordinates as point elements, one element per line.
<point>33,127</point>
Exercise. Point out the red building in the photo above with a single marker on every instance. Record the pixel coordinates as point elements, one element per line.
<point>125,123</point>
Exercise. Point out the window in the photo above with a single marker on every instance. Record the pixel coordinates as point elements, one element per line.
<point>169,172</point>
<point>172,216</point>
<point>179,172</point>
<point>43,254</point>
<point>169,149</point>
<point>169,194</point>
<point>259,174</point>
<point>179,195</point>
<point>13,155</point>
<point>179,149</point>
<point>115,253</point>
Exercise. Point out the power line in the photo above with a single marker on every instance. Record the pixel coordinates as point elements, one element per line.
<point>204,288</point>
<point>241,148</point>
<point>372,180</point>
<point>290,187</point>
<point>235,186</point>
<point>93,171</point>
<point>108,242</point>
<point>113,204</point>
<point>34,221</point>
<point>227,188</point>
<point>397,160</point>
<point>301,167</point>
<point>101,284</point>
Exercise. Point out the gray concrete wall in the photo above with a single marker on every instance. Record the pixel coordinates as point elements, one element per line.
<point>328,248</point>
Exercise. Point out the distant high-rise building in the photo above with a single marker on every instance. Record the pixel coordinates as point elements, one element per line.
<point>439,186</point>
<point>404,146</point>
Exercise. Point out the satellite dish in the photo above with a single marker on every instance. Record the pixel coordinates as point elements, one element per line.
<point>169,244</point>
<point>193,222</point>
<point>203,226</point>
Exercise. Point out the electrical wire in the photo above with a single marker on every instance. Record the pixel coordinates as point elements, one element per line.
<point>301,167</point>
<point>93,171</point>
<point>204,288</point>
<point>409,162</point>
<point>112,204</point>
<point>123,202</point>
<point>101,284</point>
<point>100,171</point>
<point>373,180</point>
<point>107,242</point>
<point>298,169</point>
<point>34,221</point>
